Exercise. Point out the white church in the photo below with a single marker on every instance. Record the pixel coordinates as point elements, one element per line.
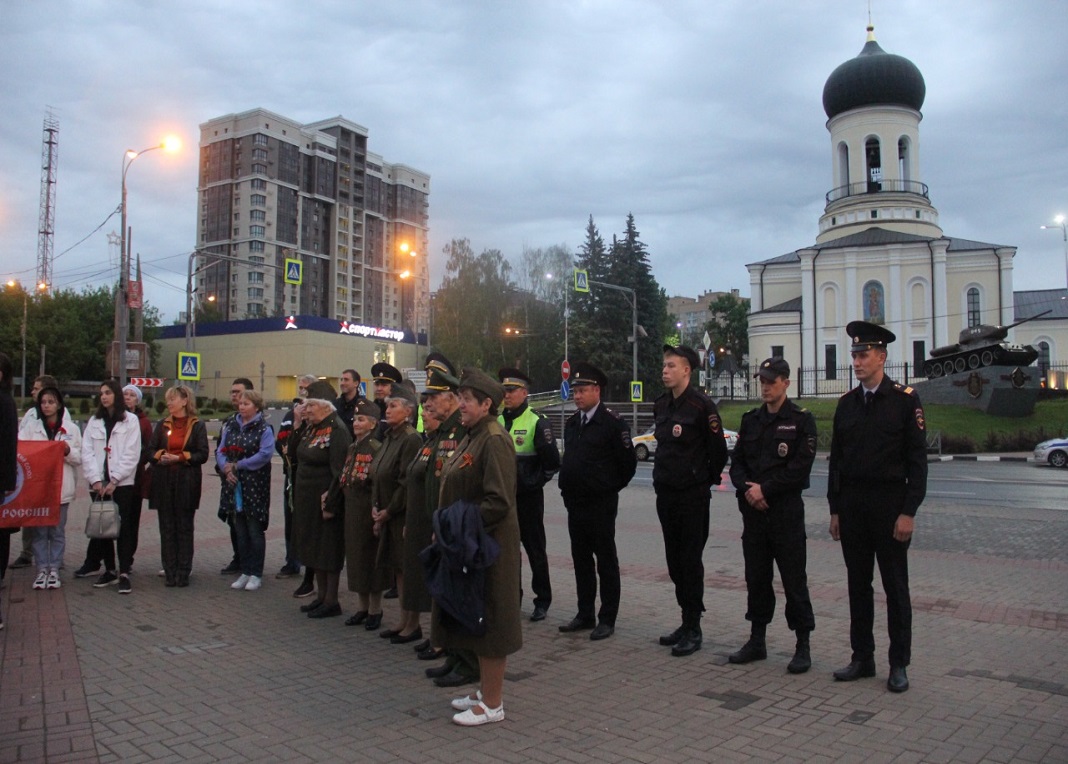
<point>881,255</point>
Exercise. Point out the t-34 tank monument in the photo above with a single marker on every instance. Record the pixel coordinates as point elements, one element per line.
<point>983,371</point>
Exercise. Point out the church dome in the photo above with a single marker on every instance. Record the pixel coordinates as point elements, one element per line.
<point>874,77</point>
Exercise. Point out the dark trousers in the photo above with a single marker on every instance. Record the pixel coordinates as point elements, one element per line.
<point>233,541</point>
<point>251,543</point>
<point>5,550</point>
<point>866,524</point>
<point>287,521</point>
<point>776,536</point>
<point>591,524</point>
<point>103,550</point>
<point>176,540</point>
<point>530,507</point>
<point>684,522</point>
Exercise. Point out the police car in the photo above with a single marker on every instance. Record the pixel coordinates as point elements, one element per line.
<point>1054,451</point>
<point>645,444</point>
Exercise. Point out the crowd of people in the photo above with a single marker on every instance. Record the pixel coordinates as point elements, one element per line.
<point>430,494</point>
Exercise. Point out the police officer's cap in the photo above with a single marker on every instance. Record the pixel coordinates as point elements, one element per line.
<point>403,391</point>
<point>513,378</point>
<point>865,336</point>
<point>438,361</point>
<point>440,381</point>
<point>384,372</point>
<point>583,373</point>
<point>772,369</point>
<point>476,379</point>
<point>684,351</point>
<point>367,408</point>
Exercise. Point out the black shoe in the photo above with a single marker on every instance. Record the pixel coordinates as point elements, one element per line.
<point>802,660</point>
<point>85,571</point>
<point>539,614</point>
<point>22,561</point>
<point>404,639</point>
<point>356,618</point>
<point>170,580</point>
<point>667,640</point>
<point>124,584</point>
<point>306,588</point>
<point>689,644</point>
<point>107,578</point>
<point>602,631</point>
<point>390,594</point>
<point>183,580</point>
<point>373,622</point>
<point>856,670</point>
<point>431,654</point>
<point>898,680</point>
<point>326,611</point>
<point>454,679</point>
<point>424,645</point>
<point>443,670</point>
<point>287,572</point>
<point>233,567</point>
<point>389,633</point>
<point>316,603</point>
<point>578,623</point>
<point>752,650</point>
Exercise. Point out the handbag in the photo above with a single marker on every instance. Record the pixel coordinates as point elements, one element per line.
<point>103,520</point>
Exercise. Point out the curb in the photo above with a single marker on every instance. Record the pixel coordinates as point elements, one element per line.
<point>980,458</point>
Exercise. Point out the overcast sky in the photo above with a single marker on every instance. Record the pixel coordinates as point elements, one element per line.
<point>703,118</point>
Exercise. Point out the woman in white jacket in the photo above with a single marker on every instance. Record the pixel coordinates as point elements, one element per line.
<point>53,423</point>
<point>111,447</point>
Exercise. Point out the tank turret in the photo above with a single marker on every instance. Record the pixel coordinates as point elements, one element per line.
<point>979,346</point>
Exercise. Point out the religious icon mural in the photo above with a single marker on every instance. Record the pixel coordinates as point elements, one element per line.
<point>874,303</point>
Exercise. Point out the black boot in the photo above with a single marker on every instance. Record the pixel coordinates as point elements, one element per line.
<point>802,660</point>
<point>755,649</point>
<point>691,637</point>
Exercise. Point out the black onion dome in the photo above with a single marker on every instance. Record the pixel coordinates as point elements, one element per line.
<point>873,77</point>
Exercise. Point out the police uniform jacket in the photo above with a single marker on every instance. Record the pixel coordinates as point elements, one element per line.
<point>598,458</point>
<point>537,458</point>
<point>774,450</point>
<point>690,448</point>
<point>880,444</point>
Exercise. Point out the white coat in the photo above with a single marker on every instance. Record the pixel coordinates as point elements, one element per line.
<point>124,450</point>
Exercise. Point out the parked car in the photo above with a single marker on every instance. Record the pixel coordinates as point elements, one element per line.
<point>645,444</point>
<point>1054,451</point>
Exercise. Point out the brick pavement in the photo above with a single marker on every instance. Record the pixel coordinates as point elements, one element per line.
<point>206,674</point>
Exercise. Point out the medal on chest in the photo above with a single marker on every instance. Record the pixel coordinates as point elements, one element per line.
<point>677,431</point>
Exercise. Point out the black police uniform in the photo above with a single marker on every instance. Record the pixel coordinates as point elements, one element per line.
<point>776,451</point>
<point>690,455</point>
<point>878,471</point>
<point>346,409</point>
<point>598,463</point>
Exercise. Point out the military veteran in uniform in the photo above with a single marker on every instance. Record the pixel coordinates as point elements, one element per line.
<point>769,469</point>
<point>537,460</point>
<point>877,481</point>
<point>598,463</point>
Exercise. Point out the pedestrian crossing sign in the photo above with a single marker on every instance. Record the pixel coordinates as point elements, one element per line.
<point>189,367</point>
<point>582,281</point>
<point>635,391</point>
<point>294,271</point>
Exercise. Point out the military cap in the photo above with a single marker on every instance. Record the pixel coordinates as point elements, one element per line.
<point>476,379</point>
<point>513,378</point>
<point>865,336</point>
<point>583,373</point>
<point>320,389</point>
<point>685,351</point>
<point>406,392</point>
<point>440,381</point>
<point>367,408</point>
<point>772,369</point>
<point>384,372</point>
<point>438,361</point>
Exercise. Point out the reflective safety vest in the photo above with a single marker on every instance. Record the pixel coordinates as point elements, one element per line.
<point>522,432</point>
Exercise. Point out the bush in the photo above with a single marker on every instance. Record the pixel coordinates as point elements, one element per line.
<point>957,444</point>
<point>83,407</point>
<point>160,407</point>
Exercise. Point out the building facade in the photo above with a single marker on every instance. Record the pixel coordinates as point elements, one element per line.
<point>272,189</point>
<point>691,314</point>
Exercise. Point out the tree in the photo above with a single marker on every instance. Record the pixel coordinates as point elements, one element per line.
<point>537,307</point>
<point>729,326</point>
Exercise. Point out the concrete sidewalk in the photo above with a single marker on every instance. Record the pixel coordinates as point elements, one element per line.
<point>207,674</point>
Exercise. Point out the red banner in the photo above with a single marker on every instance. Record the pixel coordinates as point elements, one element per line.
<point>35,500</point>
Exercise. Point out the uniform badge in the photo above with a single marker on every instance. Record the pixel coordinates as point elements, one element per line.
<point>919,418</point>
<point>519,440</point>
<point>784,449</point>
<point>713,423</point>
<point>676,430</point>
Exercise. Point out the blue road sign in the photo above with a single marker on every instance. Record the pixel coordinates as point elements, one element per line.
<point>565,390</point>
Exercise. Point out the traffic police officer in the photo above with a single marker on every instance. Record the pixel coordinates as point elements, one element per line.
<point>690,455</point>
<point>598,463</point>
<point>537,460</point>
<point>877,481</point>
<point>769,468</point>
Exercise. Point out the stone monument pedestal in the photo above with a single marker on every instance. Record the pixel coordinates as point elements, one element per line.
<point>1009,391</point>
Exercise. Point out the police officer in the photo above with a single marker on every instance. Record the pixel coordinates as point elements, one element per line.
<point>598,463</point>
<point>537,460</point>
<point>878,479</point>
<point>770,467</point>
<point>383,377</point>
<point>690,455</point>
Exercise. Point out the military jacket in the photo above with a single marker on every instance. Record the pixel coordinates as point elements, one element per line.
<point>775,450</point>
<point>690,447</point>
<point>598,457</point>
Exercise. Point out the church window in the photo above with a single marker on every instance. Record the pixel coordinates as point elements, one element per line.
<point>919,355</point>
<point>974,313</point>
<point>903,170</point>
<point>873,159</point>
<point>1043,357</point>
<point>830,361</point>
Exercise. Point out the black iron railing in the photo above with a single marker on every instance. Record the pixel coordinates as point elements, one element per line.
<point>878,187</point>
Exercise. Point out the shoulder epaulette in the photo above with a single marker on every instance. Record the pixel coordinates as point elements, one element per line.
<point>907,390</point>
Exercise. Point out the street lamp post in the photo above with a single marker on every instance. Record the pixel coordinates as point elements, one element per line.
<point>25,316</point>
<point>1060,222</point>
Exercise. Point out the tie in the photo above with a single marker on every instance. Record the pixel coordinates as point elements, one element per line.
<point>868,395</point>
<point>585,419</point>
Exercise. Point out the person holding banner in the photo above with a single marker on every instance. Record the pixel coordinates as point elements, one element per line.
<point>9,446</point>
<point>49,541</point>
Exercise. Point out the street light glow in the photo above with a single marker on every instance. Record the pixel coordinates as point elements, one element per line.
<point>171,144</point>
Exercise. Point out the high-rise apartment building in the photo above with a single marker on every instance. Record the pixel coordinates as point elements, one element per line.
<point>270,189</point>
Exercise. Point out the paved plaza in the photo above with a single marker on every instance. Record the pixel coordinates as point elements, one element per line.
<point>206,674</point>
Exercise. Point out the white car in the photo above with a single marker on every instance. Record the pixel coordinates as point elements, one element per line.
<point>1054,451</point>
<point>645,444</point>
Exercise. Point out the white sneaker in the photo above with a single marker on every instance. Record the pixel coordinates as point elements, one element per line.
<point>53,579</point>
<point>466,702</point>
<point>41,581</point>
<point>253,583</point>
<point>469,718</point>
<point>240,583</point>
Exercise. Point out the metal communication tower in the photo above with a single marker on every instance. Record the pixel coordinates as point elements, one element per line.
<point>47,221</point>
